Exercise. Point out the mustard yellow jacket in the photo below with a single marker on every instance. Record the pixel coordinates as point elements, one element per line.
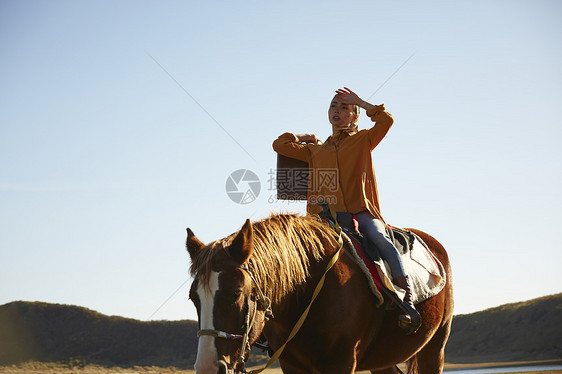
<point>341,169</point>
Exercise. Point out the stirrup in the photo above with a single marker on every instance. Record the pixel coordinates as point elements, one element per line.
<point>264,347</point>
<point>411,322</point>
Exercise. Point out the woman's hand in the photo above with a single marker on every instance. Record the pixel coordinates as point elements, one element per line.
<point>349,97</point>
<point>307,138</point>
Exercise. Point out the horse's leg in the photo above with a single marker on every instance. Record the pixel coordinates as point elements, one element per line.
<point>390,370</point>
<point>338,362</point>
<point>339,367</point>
<point>324,368</point>
<point>431,358</point>
<point>292,368</point>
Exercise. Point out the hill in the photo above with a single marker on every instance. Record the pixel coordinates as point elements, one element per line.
<point>530,330</point>
<point>53,332</point>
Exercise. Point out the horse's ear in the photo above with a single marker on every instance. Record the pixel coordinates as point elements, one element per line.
<point>241,247</point>
<point>193,244</point>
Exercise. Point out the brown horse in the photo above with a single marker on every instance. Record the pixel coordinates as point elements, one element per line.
<point>281,259</point>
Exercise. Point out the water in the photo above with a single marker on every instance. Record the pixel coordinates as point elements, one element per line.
<point>515,369</point>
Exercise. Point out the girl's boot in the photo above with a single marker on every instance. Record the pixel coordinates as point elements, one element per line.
<point>411,321</point>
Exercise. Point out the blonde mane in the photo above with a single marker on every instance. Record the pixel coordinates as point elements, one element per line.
<point>284,246</point>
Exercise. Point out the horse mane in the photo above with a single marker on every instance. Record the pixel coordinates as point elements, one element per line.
<point>284,246</point>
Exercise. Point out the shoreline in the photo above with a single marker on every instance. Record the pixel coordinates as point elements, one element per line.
<point>507,364</point>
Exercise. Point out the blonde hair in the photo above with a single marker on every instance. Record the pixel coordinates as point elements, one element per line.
<point>284,246</point>
<point>353,124</point>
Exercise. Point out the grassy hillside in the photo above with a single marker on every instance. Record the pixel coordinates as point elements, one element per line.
<point>530,330</point>
<point>52,332</point>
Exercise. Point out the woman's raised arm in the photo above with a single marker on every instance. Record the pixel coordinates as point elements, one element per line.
<point>349,97</point>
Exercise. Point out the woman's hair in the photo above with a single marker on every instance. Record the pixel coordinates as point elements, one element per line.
<point>353,124</point>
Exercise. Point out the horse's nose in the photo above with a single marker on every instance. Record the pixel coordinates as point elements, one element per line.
<point>223,369</point>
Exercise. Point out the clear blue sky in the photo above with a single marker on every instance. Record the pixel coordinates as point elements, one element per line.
<point>105,160</point>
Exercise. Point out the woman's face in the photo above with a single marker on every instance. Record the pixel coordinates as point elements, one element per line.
<point>340,114</point>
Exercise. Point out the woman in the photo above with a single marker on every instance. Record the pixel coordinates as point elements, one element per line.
<point>342,174</point>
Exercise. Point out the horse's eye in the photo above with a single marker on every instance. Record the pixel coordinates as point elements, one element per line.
<point>234,295</point>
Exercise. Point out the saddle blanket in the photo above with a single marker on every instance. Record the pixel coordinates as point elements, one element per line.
<point>424,269</point>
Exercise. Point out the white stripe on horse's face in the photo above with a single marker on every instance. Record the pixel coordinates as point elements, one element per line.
<point>206,361</point>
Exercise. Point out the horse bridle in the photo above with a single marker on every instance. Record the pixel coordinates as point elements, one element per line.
<point>262,303</point>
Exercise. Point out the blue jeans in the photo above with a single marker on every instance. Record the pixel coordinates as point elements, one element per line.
<point>375,231</point>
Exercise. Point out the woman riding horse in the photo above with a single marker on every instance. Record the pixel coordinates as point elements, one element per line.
<point>265,279</point>
<point>347,152</point>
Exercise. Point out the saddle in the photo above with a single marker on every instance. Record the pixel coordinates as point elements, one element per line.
<point>403,239</point>
<point>425,270</point>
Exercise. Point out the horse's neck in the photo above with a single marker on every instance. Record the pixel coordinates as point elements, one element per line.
<point>289,259</point>
<point>304,289</point>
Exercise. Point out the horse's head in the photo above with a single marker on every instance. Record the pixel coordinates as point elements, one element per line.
<point>229,303</point>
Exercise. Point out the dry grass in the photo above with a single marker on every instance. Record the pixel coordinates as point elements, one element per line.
<point>51,368</point>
